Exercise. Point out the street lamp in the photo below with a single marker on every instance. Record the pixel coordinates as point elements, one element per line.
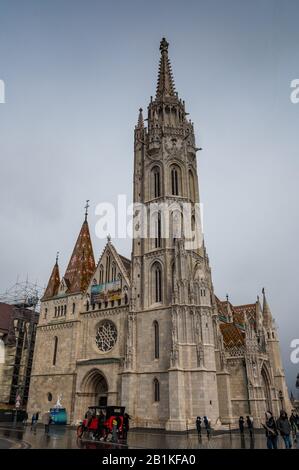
<point>280,395</point>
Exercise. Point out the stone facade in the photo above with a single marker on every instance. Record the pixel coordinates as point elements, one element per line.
<point>149,333</point>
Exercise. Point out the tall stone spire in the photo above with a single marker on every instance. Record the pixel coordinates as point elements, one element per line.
<point>82,264</point>
<point>165,85</point>
<point>267,315</point>
<point>54,281</point>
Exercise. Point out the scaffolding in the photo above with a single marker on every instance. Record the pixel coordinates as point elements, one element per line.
<point>23,294</point>
<point>24,297</point>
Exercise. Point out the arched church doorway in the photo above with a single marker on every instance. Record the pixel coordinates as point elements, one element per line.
<point>266,390</point>
<point>95,388</point>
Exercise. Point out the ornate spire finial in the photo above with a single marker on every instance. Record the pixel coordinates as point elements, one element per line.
<point>57,256</point>
<point>108,238</point>
<point>86,209</point>
<point>263,291</point>
<point>164,45</point>
<point>165,85</point>
<point>140,123</point>
<point>227,297</point>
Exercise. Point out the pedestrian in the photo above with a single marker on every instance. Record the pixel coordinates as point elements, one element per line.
<point>25,418</point>
<point>249,421</point>
<point>241,424</point>
<point>293,424</point>
<point>198,425</point>
<point>34,421</point>
<point>114,430</point>
<point>126,425</point>
<point>271,431</point>
<point>284,427</point>
<point>46,421</point>
<point>207,426</point>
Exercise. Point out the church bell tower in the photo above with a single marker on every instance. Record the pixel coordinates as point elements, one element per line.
<point>172,294</point>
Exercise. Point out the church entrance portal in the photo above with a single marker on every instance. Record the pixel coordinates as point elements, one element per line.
<point>95,389</point>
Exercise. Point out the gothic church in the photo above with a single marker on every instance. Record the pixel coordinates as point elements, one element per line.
<point>150,333</point>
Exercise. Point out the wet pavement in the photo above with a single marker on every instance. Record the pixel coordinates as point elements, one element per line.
<point>64,437</point>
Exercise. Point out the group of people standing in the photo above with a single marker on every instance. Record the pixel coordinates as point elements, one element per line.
<point>118,426</point>
<point>249,423</point>
<point>46,420</point>
<point>283,426</point>
<point>207,425</point>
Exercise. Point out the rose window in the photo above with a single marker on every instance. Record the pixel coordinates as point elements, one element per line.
<point>106,335</point>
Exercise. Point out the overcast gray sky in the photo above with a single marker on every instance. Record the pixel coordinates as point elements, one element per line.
<point>76,73</point>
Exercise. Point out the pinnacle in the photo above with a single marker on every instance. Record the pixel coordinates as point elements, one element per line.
<point>140,123</point>
<point>165,85</point>
<point>54,281</point>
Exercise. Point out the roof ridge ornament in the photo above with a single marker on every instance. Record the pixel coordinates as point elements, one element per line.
<point>86,207</point>
<point>164,45</point>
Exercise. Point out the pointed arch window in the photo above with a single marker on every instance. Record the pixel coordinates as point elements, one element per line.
<point>176,223</point>
<point>156,390</point>
<point>175,180</point>
<point>191,186</point>
<point>156,182</point>
<point>55,350</point>
<point>113,272</point>
<point>172,276</point>
<point>157,282</point>
<point>108,268</point>
<point>158,230</point>
<point>156,339</point>
<point>101,276</point>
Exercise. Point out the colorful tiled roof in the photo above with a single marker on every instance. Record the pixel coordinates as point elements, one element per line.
<point>240,312</point>
<point>53,284</point>
<point>232,335</point>
<point>82,264</point>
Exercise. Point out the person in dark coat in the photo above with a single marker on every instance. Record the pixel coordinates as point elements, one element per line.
<point>198,425</point>
<point>126,425</point>
<point>241,424</point>
<point>34,421</point>
<point>284,427</point>
<point>293,424</point>
<point>271,431</point>
<point>249,422</point>
<point>207,426</point>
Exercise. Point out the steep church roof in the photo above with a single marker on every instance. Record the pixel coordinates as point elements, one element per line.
<point>54,281</point>
<point>82,264</point>
<point>126,263</point>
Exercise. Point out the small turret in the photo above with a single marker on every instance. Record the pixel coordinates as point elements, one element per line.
<point>54,281</point>
<point>267,315</point>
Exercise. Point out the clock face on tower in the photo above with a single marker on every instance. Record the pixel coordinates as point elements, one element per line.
<point>106,335</point>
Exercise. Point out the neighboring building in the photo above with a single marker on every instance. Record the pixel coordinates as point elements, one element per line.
<point>149,333</point>
<point>17,335</point>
